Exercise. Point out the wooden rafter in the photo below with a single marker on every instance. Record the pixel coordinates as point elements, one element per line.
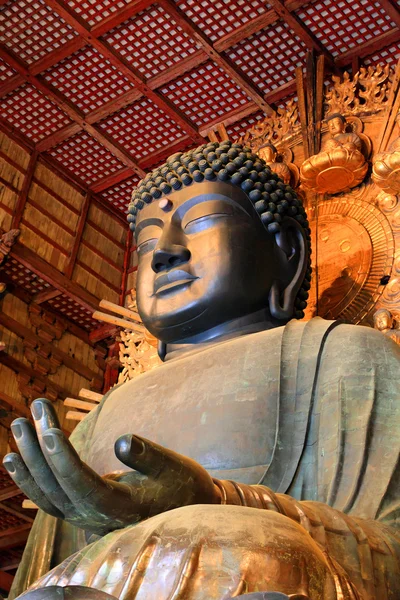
<point>124,278</point>
<point>37,265</point>
<point>78,235</point>
<point>374,45</point>
<point>301,30</point>
<point>23,195</point>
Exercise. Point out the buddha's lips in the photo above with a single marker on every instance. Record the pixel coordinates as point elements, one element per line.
<point>175,276</point>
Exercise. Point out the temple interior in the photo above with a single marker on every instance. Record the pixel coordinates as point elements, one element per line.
<point>94,96</point>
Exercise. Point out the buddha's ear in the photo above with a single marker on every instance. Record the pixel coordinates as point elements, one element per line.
<point>292,256</point>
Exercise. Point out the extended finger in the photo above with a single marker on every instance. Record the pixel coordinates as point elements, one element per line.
<point>32,455</point>
<point>45,417</point>
<point>78,480</point>
<point>151,458</point>
<point>24,480</point>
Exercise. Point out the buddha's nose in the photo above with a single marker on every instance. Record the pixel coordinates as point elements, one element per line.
<point>169,257</point>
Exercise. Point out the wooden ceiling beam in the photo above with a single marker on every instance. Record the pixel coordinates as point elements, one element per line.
<point>23,195</point>
<point>9,492</point>
<point>12,405</point>
<point>6,580</point>
<point>306,36</point>
<point>120,16</point>
<point>16,513</point>
<point>130,73</point>
<point>223,61</point>
<point>15,538</point>
<point>255,25</point>
<point>37,265</point>
<point>392,9</point>
<point>45,296</point>
<point>11,531</point>
<point>78,235</point>
<point>377,44</point>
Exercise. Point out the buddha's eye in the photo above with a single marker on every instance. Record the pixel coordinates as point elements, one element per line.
<point>203,222</point>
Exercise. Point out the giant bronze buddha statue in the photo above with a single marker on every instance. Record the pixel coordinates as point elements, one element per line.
<point>261,458</point>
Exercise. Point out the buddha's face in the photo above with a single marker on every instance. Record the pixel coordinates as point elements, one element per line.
<point>382,320</point>
<point>204,259</point>
<point>335,126</point>
<point>268,154</point>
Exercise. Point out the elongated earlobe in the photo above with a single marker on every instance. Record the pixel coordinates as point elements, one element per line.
<point>293,245</point>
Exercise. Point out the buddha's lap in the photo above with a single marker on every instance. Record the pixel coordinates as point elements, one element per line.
<point>213,551</point>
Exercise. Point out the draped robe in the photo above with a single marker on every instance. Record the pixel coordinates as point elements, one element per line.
<point>311,409</point>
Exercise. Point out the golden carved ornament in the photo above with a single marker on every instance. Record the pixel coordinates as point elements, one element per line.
<point>137,351</point>
<point>342,164</point>
<point>275,128</point>
<point>280,162</point>
<point>366,92</point>
<point>386,167</point>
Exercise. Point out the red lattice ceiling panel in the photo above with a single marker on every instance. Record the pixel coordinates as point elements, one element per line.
<point>219,17</point>
<point>151,41</point>
<point>5,71</point>
<point>119,195</point>
<point>239,128</point>
<point>9,521</point>
<point>5,480</point>
<point>32,30</point>
<point>205,93</point>
<point>142,128</point>
<point>73,311</point>
<point>88,79</point>
<point>389,55</point>
<point>95,11</point>
<point>24,278</point>
<point>86,158</point>
<point>344,24</point>
<point>270,56</point>
<point>32,113</point>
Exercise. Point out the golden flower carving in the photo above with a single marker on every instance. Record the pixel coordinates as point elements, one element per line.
<point>334,171</point>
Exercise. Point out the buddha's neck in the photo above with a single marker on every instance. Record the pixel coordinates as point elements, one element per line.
<point>257,321</point>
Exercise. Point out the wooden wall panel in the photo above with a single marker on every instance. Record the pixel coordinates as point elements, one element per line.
<point>104,244</point>
<point>109,224</point>
<point>61,212</point>
<point>14,151</point>
<point>63,189</point>
<point>100,265</point>
<point>49,228</point>
<point>42,248</point>
<point>93,285</point>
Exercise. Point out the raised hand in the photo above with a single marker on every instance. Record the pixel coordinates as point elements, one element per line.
<point>49,471</point>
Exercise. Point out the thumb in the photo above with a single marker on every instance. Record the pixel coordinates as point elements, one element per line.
<point>148,457</point>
